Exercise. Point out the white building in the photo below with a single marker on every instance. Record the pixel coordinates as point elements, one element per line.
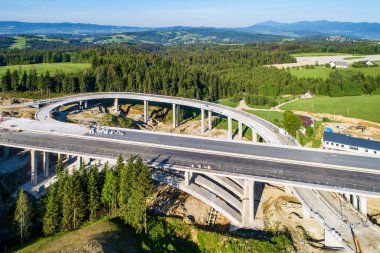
<point>342,142</point>
<point>369,63</point>
<point>338,64</point>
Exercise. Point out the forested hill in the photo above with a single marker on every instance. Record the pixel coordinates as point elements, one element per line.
<point>206,73</point>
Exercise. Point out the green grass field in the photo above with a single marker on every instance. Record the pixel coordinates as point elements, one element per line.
<point>361,107</point>
<point>51,67</point>
<point>272,116</point>
<point>228,102</point>
<point>318,54</point>
<point>324,73</point>
<point>20,43</point>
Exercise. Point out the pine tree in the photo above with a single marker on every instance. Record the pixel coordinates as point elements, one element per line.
<point>141,189</point>
<point>51,219</point>
<point>67,207</point>
<point>78,200</point>
<point>126,177</point>
<point>93,192</point>
<point>109,193</point>
<point>23,214</point>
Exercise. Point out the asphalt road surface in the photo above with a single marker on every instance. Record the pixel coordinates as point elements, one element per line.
<point>222,163</point>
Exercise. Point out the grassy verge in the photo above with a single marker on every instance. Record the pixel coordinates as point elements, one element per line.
<point>318,54</point>
<point>164,235</point>
<point>324,73</point>
<point>51,67</point>
<point>361,107</point>
<point>274,117</point>
<point>228,102</point>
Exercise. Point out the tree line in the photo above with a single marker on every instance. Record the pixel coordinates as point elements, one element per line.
<point>87,194</point>
<point>206,73</point>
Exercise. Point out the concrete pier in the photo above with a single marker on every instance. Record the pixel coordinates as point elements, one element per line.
<point>209,120</point>
<point>33,167</point>
<point>174,116</point>
<point>79,162</point>
<point>240,130</point>
<point>146,111</point>
<point>254,135</point>
<point>46,164</point>
<point>203,120</point>
<point>248,213</point>
<point>188,177</point>
<point>229,128</point>
<point>178,115</point>
<point>116,104</point>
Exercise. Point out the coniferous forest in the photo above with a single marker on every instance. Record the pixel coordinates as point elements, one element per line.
<point>206,72</point>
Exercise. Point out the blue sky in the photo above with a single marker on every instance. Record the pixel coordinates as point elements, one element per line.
<point>219,13</point>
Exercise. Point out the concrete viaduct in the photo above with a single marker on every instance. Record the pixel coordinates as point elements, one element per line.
<point>220,173</point>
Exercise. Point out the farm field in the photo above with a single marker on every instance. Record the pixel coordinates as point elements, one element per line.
<point>51,67</point>
<point>319,54</point>
<point>274,117</point>
<point>228,102</point>
<point>361,107</point>
<point>324,73</point>
<point>20,43</point>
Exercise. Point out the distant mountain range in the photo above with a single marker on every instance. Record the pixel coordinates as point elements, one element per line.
<point>293,30</point>
<point>301,29</point>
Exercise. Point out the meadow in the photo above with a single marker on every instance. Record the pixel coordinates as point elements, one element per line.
<point>51,67</point>
<point>324,73</point>
<point>20,43</point>
<point>361,107</point>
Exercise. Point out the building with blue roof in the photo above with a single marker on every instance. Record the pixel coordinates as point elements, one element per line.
<point>342,142</point>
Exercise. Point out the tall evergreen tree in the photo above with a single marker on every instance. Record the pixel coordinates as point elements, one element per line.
<point>23,214</point>
<point>109,191</point>
<point>141,189</point>
<point>78,200</point>
<point>93,192</point>
<point>126,177</point>
<point>51,219</point>
<point>67,207</point>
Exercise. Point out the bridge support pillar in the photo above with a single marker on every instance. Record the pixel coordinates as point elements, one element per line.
<point>203,120</point>
<point>240,130</point>
<point>33,166</point>
<point>174,116</point>
<point>146,111</point>
<point>5,152</point>
<point>229,128</point>
<point>188,177</point>
<point>178,115</point>
<point>248,213</point>
<point>209,120</point>
<point>79,162</point>
<point>331,240</point>
<point>59,156</point>
<point>46,164</point>
<point>116,104</point>
<point>362,204</point>
<point>254,135</point>
<point>85,104</point>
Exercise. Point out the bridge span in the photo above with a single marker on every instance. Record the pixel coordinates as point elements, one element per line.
<point>221,173</point>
